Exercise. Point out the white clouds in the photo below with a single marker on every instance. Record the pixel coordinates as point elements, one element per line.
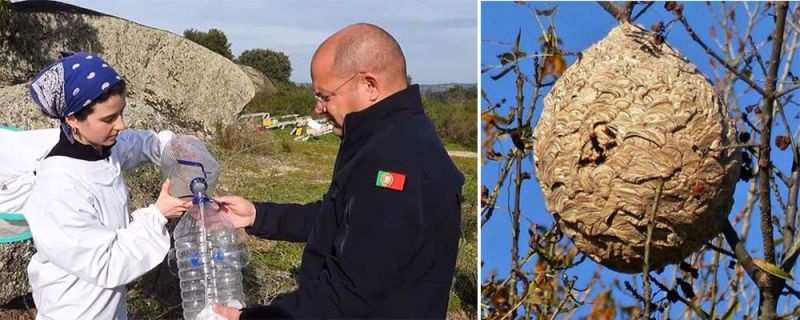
<point>439,37</point>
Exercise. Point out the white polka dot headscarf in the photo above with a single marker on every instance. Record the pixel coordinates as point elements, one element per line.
<point>71,84</point>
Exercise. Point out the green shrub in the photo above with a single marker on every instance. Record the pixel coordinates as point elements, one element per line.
<point>214,40</point>
<point>273,64</point>
<point>244,138</point>
<point>454,113</point>
<point>288,99</point>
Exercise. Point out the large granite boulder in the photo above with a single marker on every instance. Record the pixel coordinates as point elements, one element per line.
<point>173,83</point>
<point>260,81</point>
<point>14,259</point>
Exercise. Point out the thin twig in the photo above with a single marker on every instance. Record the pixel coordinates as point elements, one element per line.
<point>720,250</point>
<point>788,90</point>
<point>742,256</point>
<point>724,63</point>
<point>651,224</point>
<point>699,311</point>
<point>490,204</point>
<point>641,12</point>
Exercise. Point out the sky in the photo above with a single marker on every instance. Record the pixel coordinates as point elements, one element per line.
<point>579,24</point>
<point>438,37</point>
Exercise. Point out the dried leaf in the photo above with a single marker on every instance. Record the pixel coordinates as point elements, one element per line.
<point>546,12</point>
<point>657,27</point>
<point>571,254</point>
<point>686,288</point>
<point>603,307</point>
<point>747,72</point>
<point>772,269</point>
<point>744,137</point>
<point>554,65</point>
<point>549,41</point>
<point>493,118</point>
<point>506,58</point>
<point>501,74</point>
<point>782,142</point>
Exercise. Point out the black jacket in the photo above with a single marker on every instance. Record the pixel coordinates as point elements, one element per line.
<point>374,252</point>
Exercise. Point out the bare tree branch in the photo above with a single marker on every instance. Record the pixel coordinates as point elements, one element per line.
<point>722,61</point>
<point>651,224</point>
<point>641,12</point>
<point>770,287</point>
<point>622,14</point>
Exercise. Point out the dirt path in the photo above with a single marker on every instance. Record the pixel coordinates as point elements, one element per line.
<point>462,154</point>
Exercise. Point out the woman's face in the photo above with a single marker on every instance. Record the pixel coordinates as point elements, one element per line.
<point>102,125</point>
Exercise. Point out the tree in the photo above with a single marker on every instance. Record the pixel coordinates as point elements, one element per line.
<point>273,64</point>
<point>214,40</point>
<point>748,53</point>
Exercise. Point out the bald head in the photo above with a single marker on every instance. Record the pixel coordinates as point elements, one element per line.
<point>365,47</point>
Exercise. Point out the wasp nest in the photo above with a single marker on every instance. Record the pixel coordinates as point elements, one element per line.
<point>628,115</point>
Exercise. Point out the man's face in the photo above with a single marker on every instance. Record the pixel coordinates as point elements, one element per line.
<point>336,96</point>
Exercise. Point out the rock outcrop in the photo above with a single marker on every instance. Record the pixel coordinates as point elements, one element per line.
<point>260,81</point>
<point>173,83</point>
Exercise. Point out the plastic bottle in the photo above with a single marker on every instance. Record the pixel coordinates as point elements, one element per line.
<point>207,255</point>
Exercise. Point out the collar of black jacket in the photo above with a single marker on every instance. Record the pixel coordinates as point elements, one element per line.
<point>78,150</point>
<point>382,114</point>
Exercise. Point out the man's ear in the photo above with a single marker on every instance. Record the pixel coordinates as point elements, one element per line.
<point>373,87</point>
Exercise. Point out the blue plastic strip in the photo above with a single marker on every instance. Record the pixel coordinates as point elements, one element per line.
<point>10,128</point>
<point>11,216</point>
<point>20,237</point>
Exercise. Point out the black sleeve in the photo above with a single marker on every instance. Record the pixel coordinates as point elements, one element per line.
<point>287,222</point>
<point>384,232</point>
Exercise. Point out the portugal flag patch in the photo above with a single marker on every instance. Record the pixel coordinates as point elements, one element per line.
<point>390,180</point>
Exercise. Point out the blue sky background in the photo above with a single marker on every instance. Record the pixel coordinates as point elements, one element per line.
<point>579,25</point>
<point>438,37</point>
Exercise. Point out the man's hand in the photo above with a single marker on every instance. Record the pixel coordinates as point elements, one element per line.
<point>227,312</point>
<point>241,212</point>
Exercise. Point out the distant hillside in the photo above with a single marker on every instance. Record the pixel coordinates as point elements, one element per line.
<point>426,88</point>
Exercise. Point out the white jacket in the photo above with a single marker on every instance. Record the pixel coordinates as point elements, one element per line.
<point>88,244</point>
<point>20,152</point>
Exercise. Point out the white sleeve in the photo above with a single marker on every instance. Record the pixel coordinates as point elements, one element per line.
<point>67,232</point>
<point>135,146</point>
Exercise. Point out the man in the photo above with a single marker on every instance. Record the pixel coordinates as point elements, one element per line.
<point>383,240</point>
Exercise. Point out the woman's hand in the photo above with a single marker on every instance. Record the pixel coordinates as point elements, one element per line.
<point>170,206</point>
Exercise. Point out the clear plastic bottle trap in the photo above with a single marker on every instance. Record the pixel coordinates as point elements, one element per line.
<point>207,253</point>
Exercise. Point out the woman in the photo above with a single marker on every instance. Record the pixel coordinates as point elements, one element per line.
<point>88,244</point>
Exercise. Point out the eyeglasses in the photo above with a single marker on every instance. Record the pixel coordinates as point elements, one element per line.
<point>325,98</point>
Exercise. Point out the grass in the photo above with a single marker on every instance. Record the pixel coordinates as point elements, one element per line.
<point>290,172</point>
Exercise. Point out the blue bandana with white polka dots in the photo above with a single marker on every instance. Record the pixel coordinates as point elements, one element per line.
<point>71,84</point>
